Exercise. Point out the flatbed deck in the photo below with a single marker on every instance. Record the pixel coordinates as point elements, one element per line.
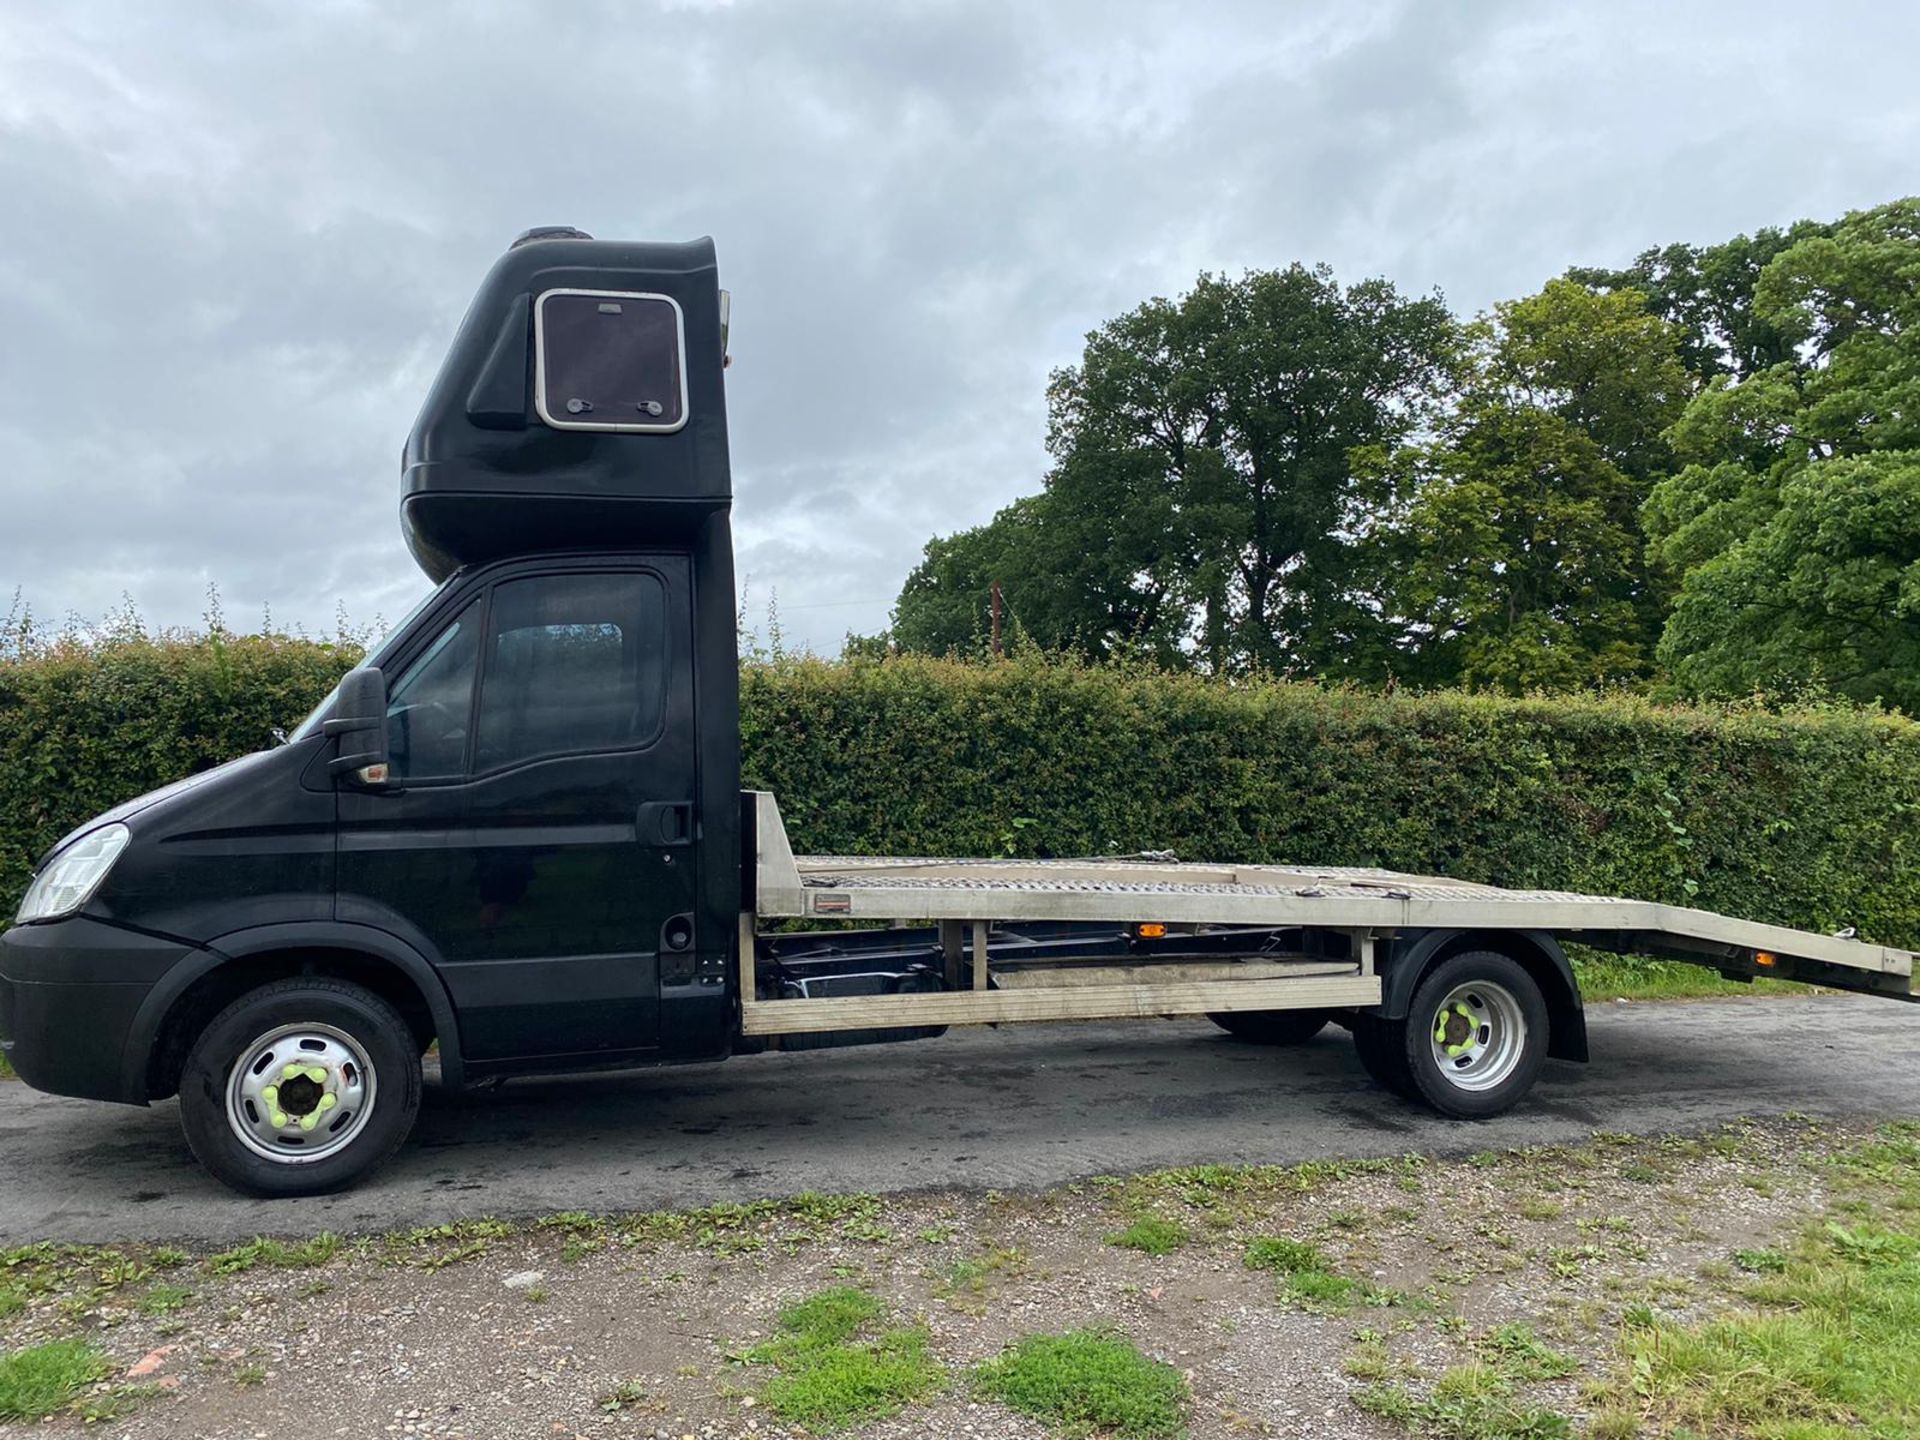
<point>1367,904</point>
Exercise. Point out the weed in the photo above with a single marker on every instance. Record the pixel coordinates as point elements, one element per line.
<point>113,1404</point>
<point>1836,1344</point>
<point>276,1254</point>
<point>1468,1402</point>
<point>12,1302</point>
<point>434,1247</point>
<point>248,1376</point>
<point>967,1283</point>
<point>624,1396</point>
<point>37,1381</point>
<point>1088,1380</point>
<point>1306,1275</point>
<point>1151,1234</point>
<point>1513,1350</point>
<point>836,1368</point>
<point>164,1299</point>
<point>536,1295</point>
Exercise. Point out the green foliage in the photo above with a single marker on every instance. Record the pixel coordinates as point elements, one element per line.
<point>1151,1235</point>
<point>1834,1347</point>
<point>1517,559</point>
<point>1803,818</point>
<point>276,1254</point>
<point>1200,494</point>
<point>84,726</point>
<point>1794,528</point>
<point>836,1369</point>
<point>1087,1382</point>
<point>1469,1402</point>
<point>45,1378</point>
<point>1698,471</point>
<point>1707,293</point>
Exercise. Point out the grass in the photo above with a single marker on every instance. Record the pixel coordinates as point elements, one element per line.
<point>1088,1381</point>
<point>1612,977</point>
<point>1151,1235</point>
<point>1834,1345</point>
<point>276,1254</point>
<point>1469,1402</point>
<point>6,1070</point>
<point>43,1379</point>
<point>163,1299</point>
<point>838,1367</point>
<point>1305,1274</point>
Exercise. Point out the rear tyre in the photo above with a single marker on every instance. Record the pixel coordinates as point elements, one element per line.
<point>1272,1027</point>
<point>300,1087</point>
<point>1381,1046</point>
<point>1475,1036</point>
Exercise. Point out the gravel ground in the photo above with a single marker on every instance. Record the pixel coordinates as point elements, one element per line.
<point>481,1330</point>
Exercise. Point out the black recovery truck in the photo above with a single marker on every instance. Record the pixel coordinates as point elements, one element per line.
<point>517,830</point>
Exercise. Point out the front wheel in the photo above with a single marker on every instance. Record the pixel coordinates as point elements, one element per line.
<point>300,1087</point>
<point>1272,1027</point>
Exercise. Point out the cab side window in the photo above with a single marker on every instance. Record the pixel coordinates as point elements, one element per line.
<point>430,707</point>
<point>574,663</point>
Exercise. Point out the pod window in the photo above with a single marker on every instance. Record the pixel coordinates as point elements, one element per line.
<point>609,360</point>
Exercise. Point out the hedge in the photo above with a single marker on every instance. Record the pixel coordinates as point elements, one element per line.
<point>1809,817</point>
<point>83,727</point>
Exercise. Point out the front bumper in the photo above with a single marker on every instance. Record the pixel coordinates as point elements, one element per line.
<point>69,994</point>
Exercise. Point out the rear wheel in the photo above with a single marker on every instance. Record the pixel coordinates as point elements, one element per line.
<point>1472,1042</point>
<point>300,1087</point>
<point>1272,1027</point>
<point>1379,1042</point>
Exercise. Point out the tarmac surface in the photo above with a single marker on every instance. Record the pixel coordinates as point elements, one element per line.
<point>1019,1107</point>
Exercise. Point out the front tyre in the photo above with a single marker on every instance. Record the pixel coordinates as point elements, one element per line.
<point>1474,1037</point>
<point>300,1087</point>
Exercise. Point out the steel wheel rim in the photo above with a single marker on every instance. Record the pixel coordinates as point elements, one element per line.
<point>1477,1035</point>
<point>300,1093</point>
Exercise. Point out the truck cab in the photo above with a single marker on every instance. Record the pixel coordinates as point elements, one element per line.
<point>513,832</point>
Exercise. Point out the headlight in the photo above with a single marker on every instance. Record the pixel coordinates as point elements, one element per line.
<point>73,875</point>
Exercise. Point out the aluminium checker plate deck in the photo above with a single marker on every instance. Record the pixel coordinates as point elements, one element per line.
<point>1364,902</point>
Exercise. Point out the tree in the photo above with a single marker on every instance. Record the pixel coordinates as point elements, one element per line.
<point>1201,504</point>
<point>1517,555</point>
<point>1707,291</point>
<point>1794,527</point>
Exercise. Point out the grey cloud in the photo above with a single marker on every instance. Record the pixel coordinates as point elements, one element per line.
<point>240,233</point>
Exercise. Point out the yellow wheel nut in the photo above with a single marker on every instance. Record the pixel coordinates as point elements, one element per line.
<point>316,1074</point>
<point>287,1072</point>
<point>271,1095</point>
<point>327,1102</point>
<point>278,1116</point>
<point>309,1120</point>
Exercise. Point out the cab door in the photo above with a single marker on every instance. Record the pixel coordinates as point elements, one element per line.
<point>550,867</point>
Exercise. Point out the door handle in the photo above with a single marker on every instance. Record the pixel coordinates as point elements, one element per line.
<point>664,822</point>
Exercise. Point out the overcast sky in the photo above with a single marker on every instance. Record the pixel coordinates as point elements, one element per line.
<point>238,235</point>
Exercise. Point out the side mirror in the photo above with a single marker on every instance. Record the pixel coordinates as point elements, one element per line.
<point>360,721</point>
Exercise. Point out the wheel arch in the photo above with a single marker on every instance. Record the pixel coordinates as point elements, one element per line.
<point>1535,951</point>
<point>190,994</point>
